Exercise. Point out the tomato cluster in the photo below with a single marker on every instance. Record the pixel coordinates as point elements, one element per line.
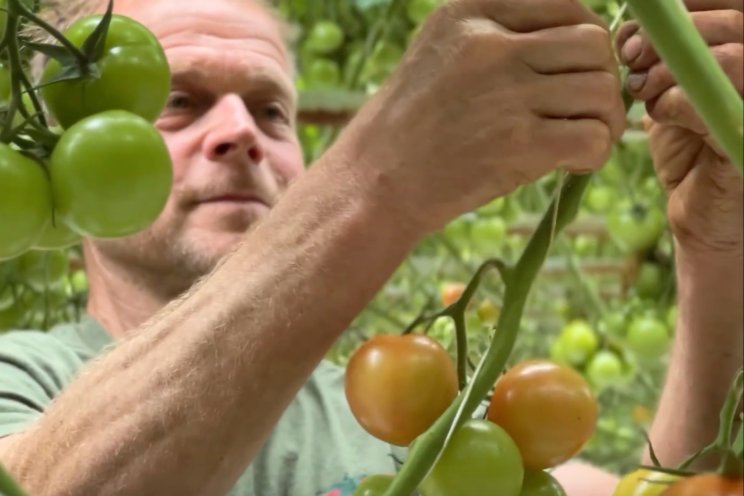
<point>105,171</point>
<point>540,415</point>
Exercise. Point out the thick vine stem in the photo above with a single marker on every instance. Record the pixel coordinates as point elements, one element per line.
<point>8,486</point>
<point>680,45</point>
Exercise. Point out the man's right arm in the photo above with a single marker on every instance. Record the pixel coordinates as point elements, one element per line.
<point>493,95</point>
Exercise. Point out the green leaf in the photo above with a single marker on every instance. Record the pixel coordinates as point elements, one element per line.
<point>94,45</point>
<point>56,52</point>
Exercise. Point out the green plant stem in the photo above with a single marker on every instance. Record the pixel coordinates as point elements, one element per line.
<point>81,58</point>
<point>680,45</point>
<point>8,486</point>
<point>461,336</point>
<point>427,447</point>
<point>722,443</point>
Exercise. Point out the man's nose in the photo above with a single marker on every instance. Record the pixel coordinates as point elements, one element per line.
<point>234,133</point>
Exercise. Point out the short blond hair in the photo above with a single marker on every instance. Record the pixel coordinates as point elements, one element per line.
<point>63,13</point>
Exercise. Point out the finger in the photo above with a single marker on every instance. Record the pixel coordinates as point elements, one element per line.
<point>717,27</point>
<point>648,86</point>
<point>584,95</point>
<point>673,107</point>
<point>522,17</point>
<point>578,145</point>
<point>669,147</point>
<point>629,28</point>
<point>696,5</point>
<point>578,48</point>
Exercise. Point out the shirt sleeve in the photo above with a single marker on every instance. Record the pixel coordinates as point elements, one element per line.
<point>34,368</point>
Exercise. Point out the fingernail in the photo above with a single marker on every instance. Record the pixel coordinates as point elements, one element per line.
<point>632,48</point>
<point>636,80</point>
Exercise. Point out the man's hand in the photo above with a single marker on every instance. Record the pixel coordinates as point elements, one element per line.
<point>492,95</point>
<point>705,190</point>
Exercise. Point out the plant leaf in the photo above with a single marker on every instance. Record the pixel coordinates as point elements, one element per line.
<point>56,52</point>
<point>95,43</point>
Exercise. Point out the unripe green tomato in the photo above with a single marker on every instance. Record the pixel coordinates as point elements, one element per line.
<point>55,237</point>
<point>605,369</point>
<point>540,483</point>
<point>579,342</point>
<point>648,338</point>
<point>324,37</point>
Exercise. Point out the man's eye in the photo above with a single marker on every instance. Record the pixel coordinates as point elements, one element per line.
<point>179,101</point>
<point>274,112</point>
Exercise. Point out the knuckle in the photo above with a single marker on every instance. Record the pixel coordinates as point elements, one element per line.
<point>607,89</point>
<point>731,57</point>
<point>593,33</point>
<point>733,23</point>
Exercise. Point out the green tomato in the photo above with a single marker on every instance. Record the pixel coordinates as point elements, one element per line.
<point>42,269</point>
<point>648,338</point>
<point>585,245</point>
<point>540,483</point>
<point>324,37</point>
<point>599,199</point>
<point>419,10</point>
<point>613,324</point>
<point>322,73</point>
<point>605,369</point>
<point>579,342</point>
<point>487,234</point>
<point>55,237</point>
<point>111,175</point>
<point>480,459</point>
<point>134,74</point>
<point>374,485</point>
<point>558,353</point>
<point>634,226</point>
<point>649,282</point>
<point>25,202</point>
<point>79,281</point>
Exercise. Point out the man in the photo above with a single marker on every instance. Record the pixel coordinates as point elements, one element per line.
<point>217,386</point>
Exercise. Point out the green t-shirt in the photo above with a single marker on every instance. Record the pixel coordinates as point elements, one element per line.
<point>317,448</point>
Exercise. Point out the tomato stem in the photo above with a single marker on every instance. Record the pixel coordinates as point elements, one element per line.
<point>680,45</point>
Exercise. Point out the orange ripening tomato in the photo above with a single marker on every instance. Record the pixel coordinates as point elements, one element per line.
<point>548,409</point>
<point>397,386</point>
<point>451,292</point>
<point>706,485</point>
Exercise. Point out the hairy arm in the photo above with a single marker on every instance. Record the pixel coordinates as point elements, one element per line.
<point>184,405</point>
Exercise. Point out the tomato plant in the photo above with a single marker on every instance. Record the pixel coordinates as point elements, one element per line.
<point>42,269</point>
<point>134,74</point>
<point>111,174</point>
<point>397,386</point>
<point>648,337</point>
<point>644,482</point>
<point>635,226</point>
<point>324,37</point>
<point>706,485</point>
<point>605,369</point>
<point>540,483</point>
<point>480,459</point>
<point>578,342</point>
<point>451,292</point>
<point>548,409</point>
<point>26,202</point>
<point>56,235</point>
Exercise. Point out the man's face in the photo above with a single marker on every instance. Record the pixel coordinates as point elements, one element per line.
<point>229,125</point>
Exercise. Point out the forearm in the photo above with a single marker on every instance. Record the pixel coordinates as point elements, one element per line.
<point>184,405</point>
<point>707,353</point>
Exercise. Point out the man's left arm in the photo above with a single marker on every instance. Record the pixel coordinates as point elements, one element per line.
<point>705,204</point>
